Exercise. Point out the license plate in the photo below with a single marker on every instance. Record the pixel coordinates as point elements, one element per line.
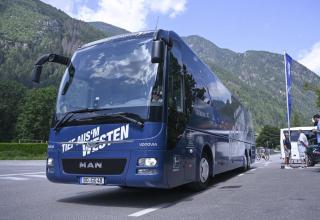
<point>92,180</point>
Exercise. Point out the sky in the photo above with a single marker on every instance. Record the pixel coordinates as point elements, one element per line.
<point>239,25</point>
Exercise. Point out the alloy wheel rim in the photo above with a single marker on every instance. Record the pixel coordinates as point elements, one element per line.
<point>204,170</point>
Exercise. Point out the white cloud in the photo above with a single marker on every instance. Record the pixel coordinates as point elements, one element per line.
<point>127,14</point>
<point>311,59</point>
<point>173,7</point>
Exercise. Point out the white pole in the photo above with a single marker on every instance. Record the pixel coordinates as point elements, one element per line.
<point>285,72</point>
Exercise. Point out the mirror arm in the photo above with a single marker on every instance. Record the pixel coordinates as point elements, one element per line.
<point>54,58</point>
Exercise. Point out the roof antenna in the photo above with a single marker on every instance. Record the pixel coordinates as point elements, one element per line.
<point>156,28</point>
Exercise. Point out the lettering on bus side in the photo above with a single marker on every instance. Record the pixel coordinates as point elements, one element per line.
<point>148,144</point>
<point>93,137</point>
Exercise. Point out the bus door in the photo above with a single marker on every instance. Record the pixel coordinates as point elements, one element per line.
<point>183,160</point>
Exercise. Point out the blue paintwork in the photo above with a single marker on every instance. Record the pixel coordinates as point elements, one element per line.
<point>222,126</point>
<point>151,133</point>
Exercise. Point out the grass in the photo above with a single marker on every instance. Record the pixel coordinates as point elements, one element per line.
<point>25,151</point>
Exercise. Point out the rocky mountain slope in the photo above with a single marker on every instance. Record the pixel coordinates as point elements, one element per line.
<point>107,28</point>
<point>29,28</point>
<point>257,78</point>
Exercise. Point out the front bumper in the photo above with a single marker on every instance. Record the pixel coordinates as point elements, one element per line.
<point>128,177</point>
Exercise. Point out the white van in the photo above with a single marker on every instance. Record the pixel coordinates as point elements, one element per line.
<point>294,135</point>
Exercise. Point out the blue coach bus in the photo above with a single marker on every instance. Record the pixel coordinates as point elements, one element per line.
<point>142,110</point>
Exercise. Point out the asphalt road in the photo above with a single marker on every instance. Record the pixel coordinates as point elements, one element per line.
<point>264,192</point>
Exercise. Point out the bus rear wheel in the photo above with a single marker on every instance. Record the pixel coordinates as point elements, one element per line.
<point>205,170</point>
<point>246,162</point>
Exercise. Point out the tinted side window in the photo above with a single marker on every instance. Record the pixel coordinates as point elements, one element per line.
<point>175,93</point>
<point>176,113</point>
<point>195,68</point>
<point>198,100</point>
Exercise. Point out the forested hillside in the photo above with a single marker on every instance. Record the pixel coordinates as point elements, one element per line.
<point>108,28</point>
<point>257,78</point>
<point>29,28</point>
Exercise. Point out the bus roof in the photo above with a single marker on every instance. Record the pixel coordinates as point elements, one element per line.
<point>119,37</point>
<point>155,34</point>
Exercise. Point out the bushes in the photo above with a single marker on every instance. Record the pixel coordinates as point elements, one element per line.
<point>268,137</point>
<point>11,94</point>
<point>36,113</point>
<point>16,151</point>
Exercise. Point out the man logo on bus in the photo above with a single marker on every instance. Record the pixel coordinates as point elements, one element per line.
<point>94,165</point>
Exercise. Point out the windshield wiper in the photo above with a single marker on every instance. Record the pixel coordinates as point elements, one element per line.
<point>69,115</point>
<point>123,115</point>
<point>126,116</point>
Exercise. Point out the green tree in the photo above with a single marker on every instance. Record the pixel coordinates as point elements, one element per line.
<point>36,114</point>
<point>315,89</point>
<point>318,97</point>
<point>11,94</point>
<point>268,137</point>
<point>296,120</point>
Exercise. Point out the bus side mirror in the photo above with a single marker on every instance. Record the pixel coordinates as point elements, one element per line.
<point>36,73</point>
<point>157,51</point>
<point>54,58</point>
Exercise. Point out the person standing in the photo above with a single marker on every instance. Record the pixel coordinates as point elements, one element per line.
<point>287,150</point>
<point>317,123</point>
<point>315,120</point>
<point>302,146</point>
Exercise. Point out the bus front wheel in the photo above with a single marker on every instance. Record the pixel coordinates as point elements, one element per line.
<point>205,170</point>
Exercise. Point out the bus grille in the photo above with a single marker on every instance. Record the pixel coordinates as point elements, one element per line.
<point>94,166</point>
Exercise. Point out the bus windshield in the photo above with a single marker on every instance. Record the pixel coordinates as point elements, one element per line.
<point>118,75</point>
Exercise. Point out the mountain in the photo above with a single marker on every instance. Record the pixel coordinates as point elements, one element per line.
<point>257,78</point>
<point>29,28</point>
<point>107,28</point>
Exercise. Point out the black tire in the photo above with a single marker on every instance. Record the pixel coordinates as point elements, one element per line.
<point>249,162</point>
<point>309,161</point>
<point>204,173</point>
<point>258,156</point>
<point>246,163</point>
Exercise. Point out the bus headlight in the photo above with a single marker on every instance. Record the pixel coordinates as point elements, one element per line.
<point>147,162</point>
<point>50,162</point>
